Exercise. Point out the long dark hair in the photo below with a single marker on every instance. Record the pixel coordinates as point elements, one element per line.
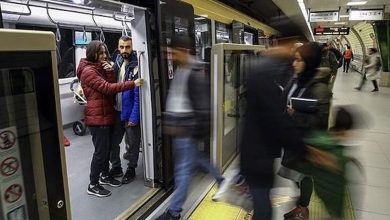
<point>93,48</point>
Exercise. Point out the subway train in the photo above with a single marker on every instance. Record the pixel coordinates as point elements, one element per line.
<point>42,42</point>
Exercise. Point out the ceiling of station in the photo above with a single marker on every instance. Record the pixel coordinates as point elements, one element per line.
<point>267,12</point>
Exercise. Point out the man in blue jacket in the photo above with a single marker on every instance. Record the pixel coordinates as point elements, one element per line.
<point>128,115</point>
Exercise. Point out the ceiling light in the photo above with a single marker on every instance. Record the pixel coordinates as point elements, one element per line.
<point>344,16</point>
<point>340,23</point>
<point>357,3</point>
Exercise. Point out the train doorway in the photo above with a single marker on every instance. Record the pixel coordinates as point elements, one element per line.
<point>74,26</point>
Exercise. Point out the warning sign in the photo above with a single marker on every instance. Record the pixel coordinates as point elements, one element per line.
<point>7,139</point>
<point>13,193</point>
<point>9,166</point>
<point>11,177</point>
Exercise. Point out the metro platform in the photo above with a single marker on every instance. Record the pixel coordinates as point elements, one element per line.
<point>369,193</point>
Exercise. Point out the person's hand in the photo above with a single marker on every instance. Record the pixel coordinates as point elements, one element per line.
<point>139,82</point>
<point>322,158</point>
<point>290,110</point>
<point>131,124</point>
<point>332,78</point>
<point>107,66</point>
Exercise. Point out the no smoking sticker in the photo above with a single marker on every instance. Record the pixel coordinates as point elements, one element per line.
<point>9,166</point>
<point>7,140</point>
<point>13,193</point>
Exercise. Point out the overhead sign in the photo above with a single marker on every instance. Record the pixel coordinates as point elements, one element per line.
<point>331,31</point>
<point>324,16</point>
<point>364,15</point>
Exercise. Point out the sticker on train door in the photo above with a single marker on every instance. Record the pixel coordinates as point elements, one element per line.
<point>12,191</point>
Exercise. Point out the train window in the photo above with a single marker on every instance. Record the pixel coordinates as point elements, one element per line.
<point>223,33</point>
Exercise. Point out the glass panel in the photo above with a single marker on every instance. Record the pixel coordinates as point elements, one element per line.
<point>28,127</point>
<point>223,33</point>
<point>236,64</point>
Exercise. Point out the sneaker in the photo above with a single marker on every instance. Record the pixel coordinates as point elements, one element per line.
<point>298,212</point>
<point>126,156</point>
<point>168,216</point>
<point>375,90</point>
<point>109,180</point>
<point>116,172</point>
<point>98,190</point>
<point>357,88</point>
<point>129,176</point>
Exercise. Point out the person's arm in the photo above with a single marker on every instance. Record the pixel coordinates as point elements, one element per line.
<point>333,63</point>
<point>371,64</point>
<point>93,79</point>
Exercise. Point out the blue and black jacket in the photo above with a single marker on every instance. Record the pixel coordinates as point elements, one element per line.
<point>130,98</point>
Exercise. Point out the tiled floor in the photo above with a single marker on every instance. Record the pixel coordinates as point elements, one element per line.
<point>370,192</point>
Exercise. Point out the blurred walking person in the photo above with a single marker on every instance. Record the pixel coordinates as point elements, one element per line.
<point>187,120</point>
<point>266,131</point>
<point>372,70</point>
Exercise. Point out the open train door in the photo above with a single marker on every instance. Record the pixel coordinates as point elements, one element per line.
<point>32,161</point>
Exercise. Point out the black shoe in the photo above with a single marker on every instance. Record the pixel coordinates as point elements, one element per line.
<point>129,176</point>
<point>357,88</point>
<point>375,90</point>
<point>116,172</point>
<point>168,216</point>
<point>98,190</point>
<point>126,156</point>
<point>109,180</point>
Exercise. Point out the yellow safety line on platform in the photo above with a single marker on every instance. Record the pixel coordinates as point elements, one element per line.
<point>208,209</point>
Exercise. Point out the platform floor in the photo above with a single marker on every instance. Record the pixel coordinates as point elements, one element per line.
<point>370,192</point>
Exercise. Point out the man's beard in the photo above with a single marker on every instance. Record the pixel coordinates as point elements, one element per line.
<point>125,55</point>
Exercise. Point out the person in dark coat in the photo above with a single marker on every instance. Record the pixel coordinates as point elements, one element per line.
<point>128,115</point>
<point>310,83</point>
<point>99,87</point>
<point>266,130</point>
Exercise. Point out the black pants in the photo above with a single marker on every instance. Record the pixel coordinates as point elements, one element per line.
<point>261,203</point>
<point>133,142</point>
<point>101,138</point>
<point>363,81</point>
<point>346,65</point>
<point>306,188</point>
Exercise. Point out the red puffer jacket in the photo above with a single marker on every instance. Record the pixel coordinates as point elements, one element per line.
<point>99,87</point>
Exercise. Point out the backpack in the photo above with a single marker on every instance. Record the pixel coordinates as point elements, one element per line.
<point>348,54</point>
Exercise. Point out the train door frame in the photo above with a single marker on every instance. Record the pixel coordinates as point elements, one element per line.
<point>52,194</point>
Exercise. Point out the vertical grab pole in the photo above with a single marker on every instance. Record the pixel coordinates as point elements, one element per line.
<point>140,114</point>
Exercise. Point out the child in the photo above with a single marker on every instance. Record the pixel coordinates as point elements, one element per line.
<point>330,182</point>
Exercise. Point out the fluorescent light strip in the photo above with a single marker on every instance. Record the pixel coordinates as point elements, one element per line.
<point>340,23</point>
<point>304,12</point>
<point>344,16</point>
<point>357,3</point>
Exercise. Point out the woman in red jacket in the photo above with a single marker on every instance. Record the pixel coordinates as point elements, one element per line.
<point>99,87</point>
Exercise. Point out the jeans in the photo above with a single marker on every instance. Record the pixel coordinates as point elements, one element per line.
<point>261,203</point>
<point>133,141</point>
<point>187,159</point>
<point>346,65</point>
<point>117,137</point>
<point>100,160</point>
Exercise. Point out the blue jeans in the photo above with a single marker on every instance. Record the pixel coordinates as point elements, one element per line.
<point>187,159</point>
<point>261,203</point>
